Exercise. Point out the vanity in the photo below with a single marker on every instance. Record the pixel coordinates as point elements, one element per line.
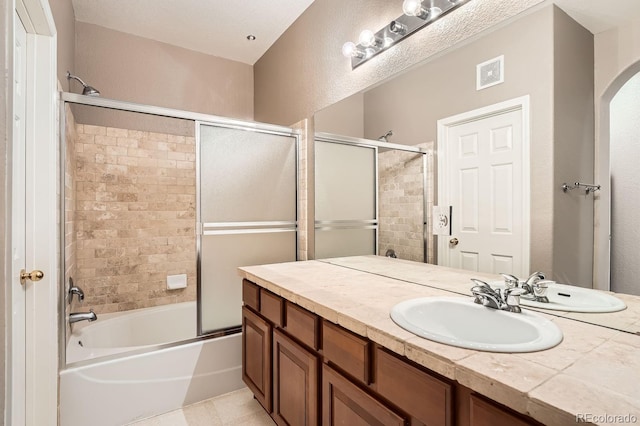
<point>319,347</point>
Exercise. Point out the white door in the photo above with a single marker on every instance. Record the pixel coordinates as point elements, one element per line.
<point>485,181</point>
<point>18,226</point>
<point>32,332</point>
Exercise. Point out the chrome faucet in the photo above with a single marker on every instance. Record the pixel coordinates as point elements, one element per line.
<point>485,295</point>
<point>534,287</point>
<point>82,316</point>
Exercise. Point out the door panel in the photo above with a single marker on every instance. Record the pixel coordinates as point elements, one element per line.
<point>247,210</point>
<point>483,182</point>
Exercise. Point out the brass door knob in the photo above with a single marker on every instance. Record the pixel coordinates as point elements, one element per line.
<point>34,275</point>
<point>454,241</point>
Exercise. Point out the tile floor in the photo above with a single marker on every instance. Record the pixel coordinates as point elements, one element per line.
<point>235,408</point>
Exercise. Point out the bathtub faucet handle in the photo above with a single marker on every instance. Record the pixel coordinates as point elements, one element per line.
<point>75,290</point>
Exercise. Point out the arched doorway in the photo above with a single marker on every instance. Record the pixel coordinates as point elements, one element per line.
<point>616,231</point>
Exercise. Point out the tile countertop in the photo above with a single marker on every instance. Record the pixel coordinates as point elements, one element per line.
<point>595,371</point>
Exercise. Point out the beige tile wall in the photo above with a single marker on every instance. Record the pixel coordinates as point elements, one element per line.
<point>135,217</point>
<point>401,205</point>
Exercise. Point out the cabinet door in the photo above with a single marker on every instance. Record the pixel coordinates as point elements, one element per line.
<point>484,413</point>
<point>344,403</point>
<point>256,356</point>
<point>295,383</point>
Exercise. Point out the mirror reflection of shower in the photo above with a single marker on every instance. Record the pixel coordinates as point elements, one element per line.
<point>385,137</point>
<point>86,89</point>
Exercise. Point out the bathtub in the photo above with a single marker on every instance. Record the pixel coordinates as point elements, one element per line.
<point>120,389</point>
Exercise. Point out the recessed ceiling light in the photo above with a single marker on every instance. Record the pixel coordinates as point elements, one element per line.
<point>251,37</point>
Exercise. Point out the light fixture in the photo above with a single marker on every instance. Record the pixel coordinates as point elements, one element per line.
<point>417,15</point>
<point>87,90</point>
<point>251,37</point>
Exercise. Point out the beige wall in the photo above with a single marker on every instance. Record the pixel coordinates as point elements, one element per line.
<point>304,70</point>
<point>345,117</point>
<point>573,151</point>
<point>135,217</point>
<point>65,20</point>
<point>130,68</point>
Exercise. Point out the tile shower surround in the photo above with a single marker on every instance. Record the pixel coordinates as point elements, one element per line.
<point>401,203</point>
<point>135,199</point>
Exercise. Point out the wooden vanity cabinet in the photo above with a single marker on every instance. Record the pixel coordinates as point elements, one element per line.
<point>305,370</point>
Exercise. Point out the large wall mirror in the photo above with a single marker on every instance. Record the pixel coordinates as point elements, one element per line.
<point>548,58</point>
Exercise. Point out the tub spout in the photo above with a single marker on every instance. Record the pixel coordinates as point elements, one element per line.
<point>82,316</point>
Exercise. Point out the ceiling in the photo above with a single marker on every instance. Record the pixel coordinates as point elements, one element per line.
<point>214,27</point>
<point>220,27</point>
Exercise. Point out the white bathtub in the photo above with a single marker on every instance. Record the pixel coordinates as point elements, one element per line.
<point>119,390</point>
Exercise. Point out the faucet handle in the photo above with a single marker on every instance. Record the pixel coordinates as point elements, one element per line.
<point>512,298</point>
<point>510,281</point>
<point>535,277</point>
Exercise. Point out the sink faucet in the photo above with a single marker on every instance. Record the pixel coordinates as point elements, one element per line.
<point>534,287</point>
<point>82,316</point>
<point>485,295</point>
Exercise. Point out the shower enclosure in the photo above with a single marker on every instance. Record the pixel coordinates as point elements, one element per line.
<point>372,197</point>
<point>160,208</point>
<point>152,194</point>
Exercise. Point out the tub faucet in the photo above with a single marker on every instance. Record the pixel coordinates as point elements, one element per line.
<point>82,316</point>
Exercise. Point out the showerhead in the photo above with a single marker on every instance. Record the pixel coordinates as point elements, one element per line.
<point>384,137</point>
<point>87,90</point>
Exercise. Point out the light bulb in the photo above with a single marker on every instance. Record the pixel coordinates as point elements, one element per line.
<point>414,8</point>
<point>349,49</point>
<point>367,38</point>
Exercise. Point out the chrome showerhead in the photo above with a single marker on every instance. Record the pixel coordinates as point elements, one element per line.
<point>87,90</point>
<point>384,137</point>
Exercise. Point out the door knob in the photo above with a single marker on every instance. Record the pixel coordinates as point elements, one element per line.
<point>34,275</point>
<point>454,241</point>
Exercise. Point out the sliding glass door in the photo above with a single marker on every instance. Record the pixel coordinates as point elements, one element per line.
<point>247,213</point>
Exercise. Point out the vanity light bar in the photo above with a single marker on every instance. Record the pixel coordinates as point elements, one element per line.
<point>418,14</point>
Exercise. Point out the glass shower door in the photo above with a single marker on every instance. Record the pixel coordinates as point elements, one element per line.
<point>247,213</point>
<point>346,199</point>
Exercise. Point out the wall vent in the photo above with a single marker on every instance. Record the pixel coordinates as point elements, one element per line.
<point>490,73</point>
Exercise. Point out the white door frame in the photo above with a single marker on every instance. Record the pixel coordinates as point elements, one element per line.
<point>521,104</point>
<point>40,321</point>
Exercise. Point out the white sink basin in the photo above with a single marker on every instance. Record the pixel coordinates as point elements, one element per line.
<point>570,298</point>
<point>457,321</point>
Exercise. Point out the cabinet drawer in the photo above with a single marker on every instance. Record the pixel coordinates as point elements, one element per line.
<point>271,307</point>
<point>302,324</point>
<point>344,403</point>
<point>251,295</point>
<point>427,398</point>
<point>346,350</point>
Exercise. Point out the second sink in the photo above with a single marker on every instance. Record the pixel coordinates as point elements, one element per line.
<point>457,321</point>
